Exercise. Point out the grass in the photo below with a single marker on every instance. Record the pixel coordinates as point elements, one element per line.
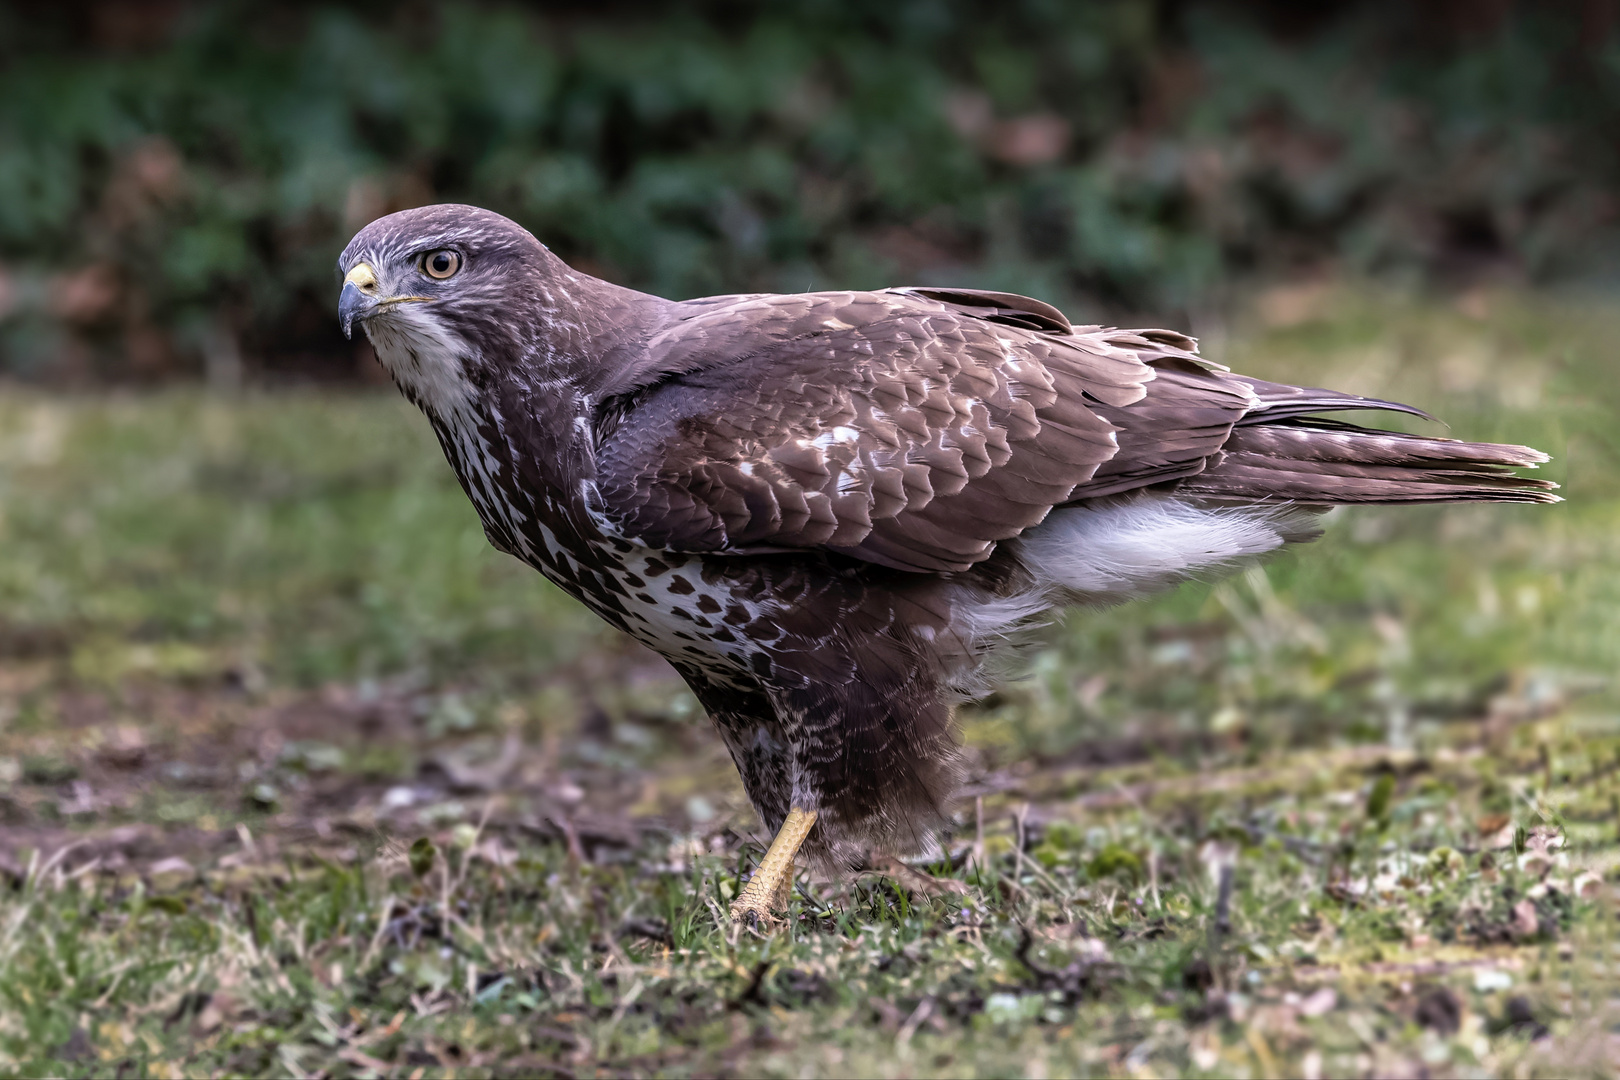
<point>298,777</point>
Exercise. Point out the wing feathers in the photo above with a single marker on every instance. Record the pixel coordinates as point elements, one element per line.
<point>915,428</point>
<point>910,428</point>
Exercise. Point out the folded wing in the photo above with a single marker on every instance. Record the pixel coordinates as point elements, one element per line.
<point>916,428</point>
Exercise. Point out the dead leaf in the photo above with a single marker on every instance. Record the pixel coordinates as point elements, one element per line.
<point>1543,839</point>
<point>1319,1003</point>
<point>1526,923</point>
<point>174,866</point>
<point>466,774</point>
<point>915,881</point>
<point>1535,863</point>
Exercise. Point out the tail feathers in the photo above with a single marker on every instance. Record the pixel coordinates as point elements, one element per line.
<point>1327,462</point>
<point>1279,401</point>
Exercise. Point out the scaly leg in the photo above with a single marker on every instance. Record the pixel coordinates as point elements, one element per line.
<point>772,883</point>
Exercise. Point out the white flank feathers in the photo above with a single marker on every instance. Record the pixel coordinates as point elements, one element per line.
<point>1112,553</point>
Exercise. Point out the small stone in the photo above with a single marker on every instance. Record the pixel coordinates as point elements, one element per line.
<point>171,873</point>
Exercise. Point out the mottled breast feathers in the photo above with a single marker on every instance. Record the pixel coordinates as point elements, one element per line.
<point>911,428</point>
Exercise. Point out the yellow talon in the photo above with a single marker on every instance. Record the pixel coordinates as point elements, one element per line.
<point>772,884</point>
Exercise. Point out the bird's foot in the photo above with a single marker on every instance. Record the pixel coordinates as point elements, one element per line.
<point>755,916</point>
<point>771,886</point>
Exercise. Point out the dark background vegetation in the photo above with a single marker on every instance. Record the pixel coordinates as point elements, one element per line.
<point>177,178</point>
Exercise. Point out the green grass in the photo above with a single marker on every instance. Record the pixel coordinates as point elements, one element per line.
<point>251,652</point>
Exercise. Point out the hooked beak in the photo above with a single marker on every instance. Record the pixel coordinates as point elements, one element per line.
<point>358,298</point>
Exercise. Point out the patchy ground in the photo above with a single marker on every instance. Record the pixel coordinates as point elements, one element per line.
<point>298,777</point>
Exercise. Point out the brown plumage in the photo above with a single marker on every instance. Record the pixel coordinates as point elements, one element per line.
<point>828,509</point>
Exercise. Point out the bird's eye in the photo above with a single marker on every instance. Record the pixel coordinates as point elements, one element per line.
<point>441,264</point>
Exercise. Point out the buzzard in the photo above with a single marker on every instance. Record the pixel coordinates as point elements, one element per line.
<point>829,511</point>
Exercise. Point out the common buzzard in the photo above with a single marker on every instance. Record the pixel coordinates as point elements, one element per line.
<point>828,510</point>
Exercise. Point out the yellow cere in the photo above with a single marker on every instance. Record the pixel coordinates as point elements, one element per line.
<point>362,276</point>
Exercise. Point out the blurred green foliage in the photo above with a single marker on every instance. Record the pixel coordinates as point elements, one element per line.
<point>176,180</point>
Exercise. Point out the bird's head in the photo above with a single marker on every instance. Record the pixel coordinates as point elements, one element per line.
<point>446,294</point>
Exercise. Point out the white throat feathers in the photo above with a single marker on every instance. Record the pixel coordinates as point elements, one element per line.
<point>425,360</point>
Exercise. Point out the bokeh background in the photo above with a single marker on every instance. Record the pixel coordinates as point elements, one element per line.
<point>254,645</point>
<point>177,176</point>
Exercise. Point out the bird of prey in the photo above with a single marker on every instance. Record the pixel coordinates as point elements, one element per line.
<point>829,511</point>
